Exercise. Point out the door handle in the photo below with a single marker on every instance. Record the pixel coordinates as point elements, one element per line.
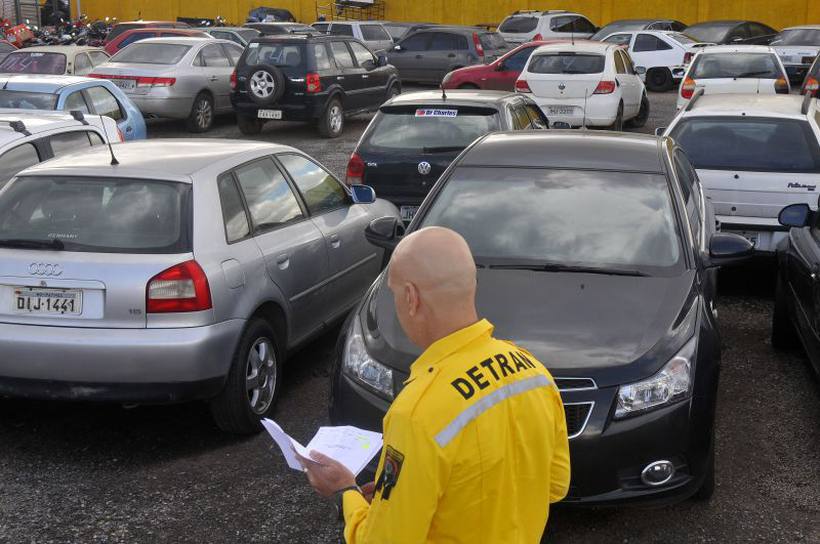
<point>213,78</point>
<point>334,241</point>
<point>419,56</point>
<point>452,55</point>
<point>365,76</point>
<point>283,261</point>
<point>339,78</point>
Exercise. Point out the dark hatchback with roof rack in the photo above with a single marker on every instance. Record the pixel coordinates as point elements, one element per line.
<point>314,78</point>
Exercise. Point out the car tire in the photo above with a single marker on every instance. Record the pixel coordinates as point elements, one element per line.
<point>643,115</point>
<point>201,118</point>
<point>258,362</point>
<point>707,488</point>
<point>618,125</point>
<point>265,84</point>
<point>332,121</point>
<point>393,91</point>
<point>659,80</point>
<point>249,126</point>
<point>784,336</point>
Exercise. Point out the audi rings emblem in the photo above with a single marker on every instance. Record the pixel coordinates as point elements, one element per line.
<point>424,168</point>
<point>45,269</point>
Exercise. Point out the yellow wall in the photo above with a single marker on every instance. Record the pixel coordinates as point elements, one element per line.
<point>777,13</point>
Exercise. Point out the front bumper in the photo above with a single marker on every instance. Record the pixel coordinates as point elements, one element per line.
<point>125,365</point>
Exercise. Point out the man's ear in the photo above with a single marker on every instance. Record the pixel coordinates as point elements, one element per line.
<point>411,298</point>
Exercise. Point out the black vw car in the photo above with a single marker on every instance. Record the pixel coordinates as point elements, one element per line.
<point>598,253</point>
<point>796,318</point>
<point>414,138</point>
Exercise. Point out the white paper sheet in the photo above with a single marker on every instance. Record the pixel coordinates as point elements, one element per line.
<point>351,446</point>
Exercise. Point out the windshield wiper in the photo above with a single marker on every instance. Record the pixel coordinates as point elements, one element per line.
<point>21,243</point>
<point>559,267</point>
<point>443,149</point>
<point>752,74</point>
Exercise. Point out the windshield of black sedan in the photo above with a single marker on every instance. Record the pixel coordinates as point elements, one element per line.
<point>583,218</point>
<point>430,127</point>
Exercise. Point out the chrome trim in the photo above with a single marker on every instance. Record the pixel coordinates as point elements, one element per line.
<point>333,278</point>
<point>593,388</point>
<point>589,414</point>
<point>650,466</point>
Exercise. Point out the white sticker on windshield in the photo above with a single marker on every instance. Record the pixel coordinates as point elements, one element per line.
<point>253,45</point>
<point>435,112</point>
<point>37,54</point>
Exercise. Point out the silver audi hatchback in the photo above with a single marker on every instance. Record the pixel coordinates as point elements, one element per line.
<point>186,271</point>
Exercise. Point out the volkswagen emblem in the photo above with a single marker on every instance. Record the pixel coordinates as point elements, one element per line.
<point>45,269</point>
<point>424,168</point>
<point>561,86</point>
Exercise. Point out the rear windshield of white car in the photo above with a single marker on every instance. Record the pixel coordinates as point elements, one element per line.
<point>151,53</point>
<point>798,36</point>
<point>736,66</point>
<point>753,144</point>
<point>566,63</point>
<point>25,100</point>
<point>25,62</point>
<point>430,129</point>
<point>290,55</point>
<point>102,215</point>
<point>518,25</point>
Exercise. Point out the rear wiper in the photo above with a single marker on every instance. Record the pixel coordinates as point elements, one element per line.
<point>21,243</point>
<point>752,74</point>
<point>558,267</point>
<point>443,149</point>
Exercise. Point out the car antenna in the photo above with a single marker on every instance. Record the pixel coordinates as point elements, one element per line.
<point>114,161</point>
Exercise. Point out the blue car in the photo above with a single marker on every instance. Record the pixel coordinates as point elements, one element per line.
<point>70,93</point>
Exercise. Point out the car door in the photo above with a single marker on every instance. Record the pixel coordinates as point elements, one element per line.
<point>75,101</point>
<point>507,71</point>
<point>351,80</point>
<point>802,277</point>
<point>648,51</point>
<point>104,103</point>
<point>628,85</point>
<point>374,77</point>
<point>292,246</point>
<point>215,70</point>
<point>409,56</point>
<point>354,263</point>
<point>444,53</point>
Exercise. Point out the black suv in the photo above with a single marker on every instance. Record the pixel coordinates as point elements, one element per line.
<point>309,78</point>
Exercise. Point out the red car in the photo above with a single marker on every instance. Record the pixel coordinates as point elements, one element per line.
<point>130,36</point>
<point>131,25</point>
<point>499,75</point>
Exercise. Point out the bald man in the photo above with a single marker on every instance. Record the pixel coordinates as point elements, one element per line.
<point>475,445</point>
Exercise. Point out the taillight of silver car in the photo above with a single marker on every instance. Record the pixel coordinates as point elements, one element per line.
<point>181,288</point>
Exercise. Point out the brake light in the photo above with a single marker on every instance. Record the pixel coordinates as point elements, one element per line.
<point>522,86</point>
<point>687,89</point>
<point>233,79</point>
<point>478,47</point>
<point>355,170</point>
<point>154,81</point>
<point>120,135</point>
<point>181,288</point>
<point>687,57</point>
<point>314,83</point>
<point>538,37</point>
<point>811,86</point>
<point>605,87</point>
<point>781,86</point>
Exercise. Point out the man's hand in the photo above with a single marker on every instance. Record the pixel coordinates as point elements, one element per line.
<point>326,475</point>
<point>368,490</point>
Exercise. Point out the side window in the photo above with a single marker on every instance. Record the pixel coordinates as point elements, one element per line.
<point>95,138</point>
<point>516,62</point>
<point>756,30</point>
<point>419,42</point>
<point>321,191</point>
<point>104,103</point>
<point>76,102</point>
<point>270,199</point>
<point>738,33</point>
<point>82,64</point>
<point>620,39</point>
<point>341,30</point>
<point>69,142</point>
<point>233,211</point>
<point>15,160</point>
<point>321,56</point>
<point>444,42</point>
<point>222,35</point>
<point>584,26</point>
<point>342,55</point>
<point>374,33</point>
<point>536,116</point>
<point>98,57</point>
<point>521,120</point>
<point>648,42</point>
<point>691,192</point>
<point>362,54</point>
<point>571,23</point>
<point>233,52</point>
<point>630,67</point>
<point>212,55</point>
<point>619,63</point>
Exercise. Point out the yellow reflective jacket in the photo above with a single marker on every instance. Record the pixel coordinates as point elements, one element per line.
<point>475,449</point>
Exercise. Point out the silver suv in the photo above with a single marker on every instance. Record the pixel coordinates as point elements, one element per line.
<point>187,271</point>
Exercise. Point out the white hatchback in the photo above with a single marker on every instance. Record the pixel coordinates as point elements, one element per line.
<point>734,69</point>
<point>530,25</point>
<point>754,154</point>
<point>585,84</point>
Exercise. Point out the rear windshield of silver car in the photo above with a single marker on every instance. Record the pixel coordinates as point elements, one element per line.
<point>151,53</point>
<point>26,100</point>
<point>282,54</point>
<point>518,25</point>
<point>736,66</point>
<point>567,63</point>
<point>430,129</point>
<point>798,36</point>
<point>100,215</point>
<point>596,219</point>
<point>751,143</point>
<point>25,62</point>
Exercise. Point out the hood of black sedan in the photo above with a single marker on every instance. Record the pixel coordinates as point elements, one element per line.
<point>614,329</point>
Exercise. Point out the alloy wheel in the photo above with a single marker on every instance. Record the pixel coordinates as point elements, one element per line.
<point>335,118</point>
<point>204,113</point>
<point>262,84</point>
<point>261,376</point>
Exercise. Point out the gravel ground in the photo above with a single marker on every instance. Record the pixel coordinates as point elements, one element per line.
<point>93,473</point>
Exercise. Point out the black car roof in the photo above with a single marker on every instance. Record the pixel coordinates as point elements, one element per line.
<point>726,23</point>
<point>571,149</point>
<point>299,37</point>
<point>461,97</point>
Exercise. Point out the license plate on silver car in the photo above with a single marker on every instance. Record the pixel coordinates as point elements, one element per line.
<point>408,212</point>
<point>126,84</point>
<point>35,300</point>
<point>269,114</point>
<point>561,110</point>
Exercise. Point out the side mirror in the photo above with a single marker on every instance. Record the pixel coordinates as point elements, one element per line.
<point>795,215</point>
<point>640,70</point>
<point>737,39</point>
<point>728,248</point>
<point>384,232</point>
<point>397,47</point>
<point>362,194</point>
<point>500,67</point>
<point>659,131</point>
<point>381,60</point>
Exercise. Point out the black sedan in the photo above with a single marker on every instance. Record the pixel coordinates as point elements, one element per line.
<point>596,252</point>
<point>732,32</point>
<point>796,318</point>
<point>414,137</point>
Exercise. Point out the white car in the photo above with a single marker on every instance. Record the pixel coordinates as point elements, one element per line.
<point>77,60</point>
<point>531,25</point>
<point>754,154</point>
<point>797,47</point>
<point>31,137</point>
<point>664,54</point>
<point>734,69</point>
<point>372,33</point>
<point>585,84</point>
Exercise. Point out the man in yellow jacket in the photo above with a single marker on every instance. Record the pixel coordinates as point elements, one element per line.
<point>475,445</point>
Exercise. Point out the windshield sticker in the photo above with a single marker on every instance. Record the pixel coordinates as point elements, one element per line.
<point>253,45</point>
<point>434,112</point>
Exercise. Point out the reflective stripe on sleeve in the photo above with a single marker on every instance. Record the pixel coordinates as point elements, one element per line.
<point>479,407</point>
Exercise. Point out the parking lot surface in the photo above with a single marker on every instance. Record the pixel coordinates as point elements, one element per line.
<point>104,473</point>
